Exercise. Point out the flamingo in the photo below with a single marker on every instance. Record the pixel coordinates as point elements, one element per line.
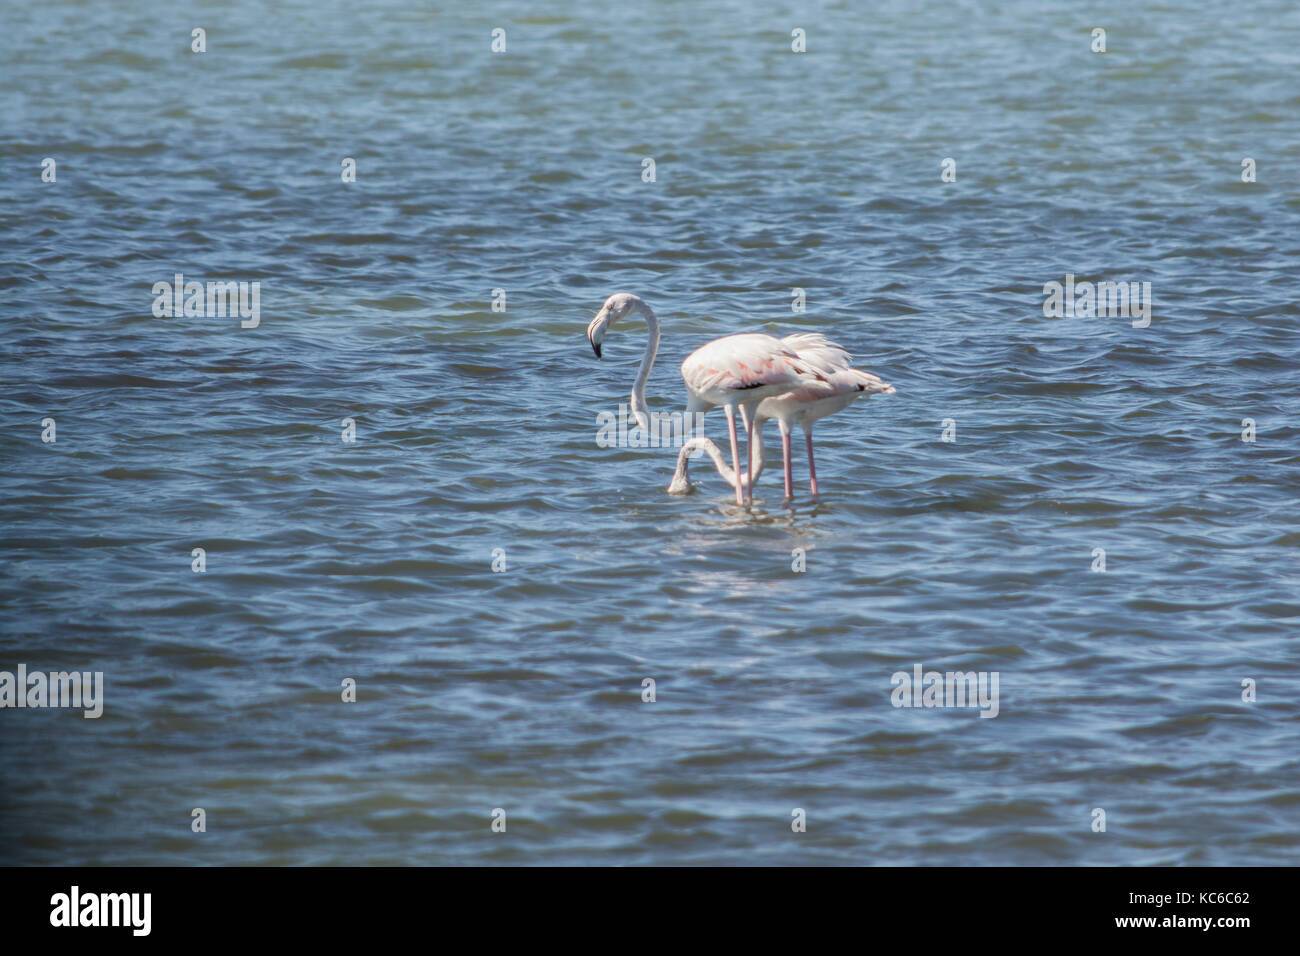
<point>735,371</point>
<point>804,405</point>
<point>841,384</point>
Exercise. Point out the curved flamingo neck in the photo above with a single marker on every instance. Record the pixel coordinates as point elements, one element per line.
<point>681,482</point>
<point>647,363</point>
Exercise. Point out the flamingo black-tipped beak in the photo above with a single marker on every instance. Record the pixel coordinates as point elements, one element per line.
<point>596,330</point>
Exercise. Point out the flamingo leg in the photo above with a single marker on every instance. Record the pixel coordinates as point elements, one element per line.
<point>735,452</point>
<point>785,453</point>
<point>744,423</point>
<point>812,468</point>
<point>749,457</point>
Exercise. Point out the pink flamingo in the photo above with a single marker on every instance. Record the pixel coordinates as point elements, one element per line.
<point>735,371</point>
<point>840,385</point>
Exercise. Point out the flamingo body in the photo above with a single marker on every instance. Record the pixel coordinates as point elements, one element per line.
<point>840,384</point>
<point>758,365</point>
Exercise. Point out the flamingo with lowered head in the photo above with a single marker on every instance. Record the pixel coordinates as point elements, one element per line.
<point>735,371</point>
<point>805,405</point>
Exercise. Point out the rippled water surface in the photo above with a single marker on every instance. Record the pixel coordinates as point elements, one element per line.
<point>476,431</point>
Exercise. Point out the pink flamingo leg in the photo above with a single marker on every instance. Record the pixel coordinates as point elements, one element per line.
<point>812,468</point>
<point>735,452</point>
<point>749,457</point>
<point>785,453</point>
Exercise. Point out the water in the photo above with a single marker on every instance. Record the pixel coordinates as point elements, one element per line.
<point>475,431</point>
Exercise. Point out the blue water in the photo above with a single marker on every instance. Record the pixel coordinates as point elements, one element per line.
<point>476,431</point>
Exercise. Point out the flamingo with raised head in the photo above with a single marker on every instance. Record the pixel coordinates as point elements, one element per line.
<point>804,405</point>
<point>735,371</point>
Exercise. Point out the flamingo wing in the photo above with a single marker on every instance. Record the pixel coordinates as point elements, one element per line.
<point>736,363</point>
<point>819,351</point>
<point>839,380</point>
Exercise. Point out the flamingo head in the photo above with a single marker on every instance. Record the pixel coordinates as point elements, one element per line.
<point>618,306</point>
<point>681,483</point>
